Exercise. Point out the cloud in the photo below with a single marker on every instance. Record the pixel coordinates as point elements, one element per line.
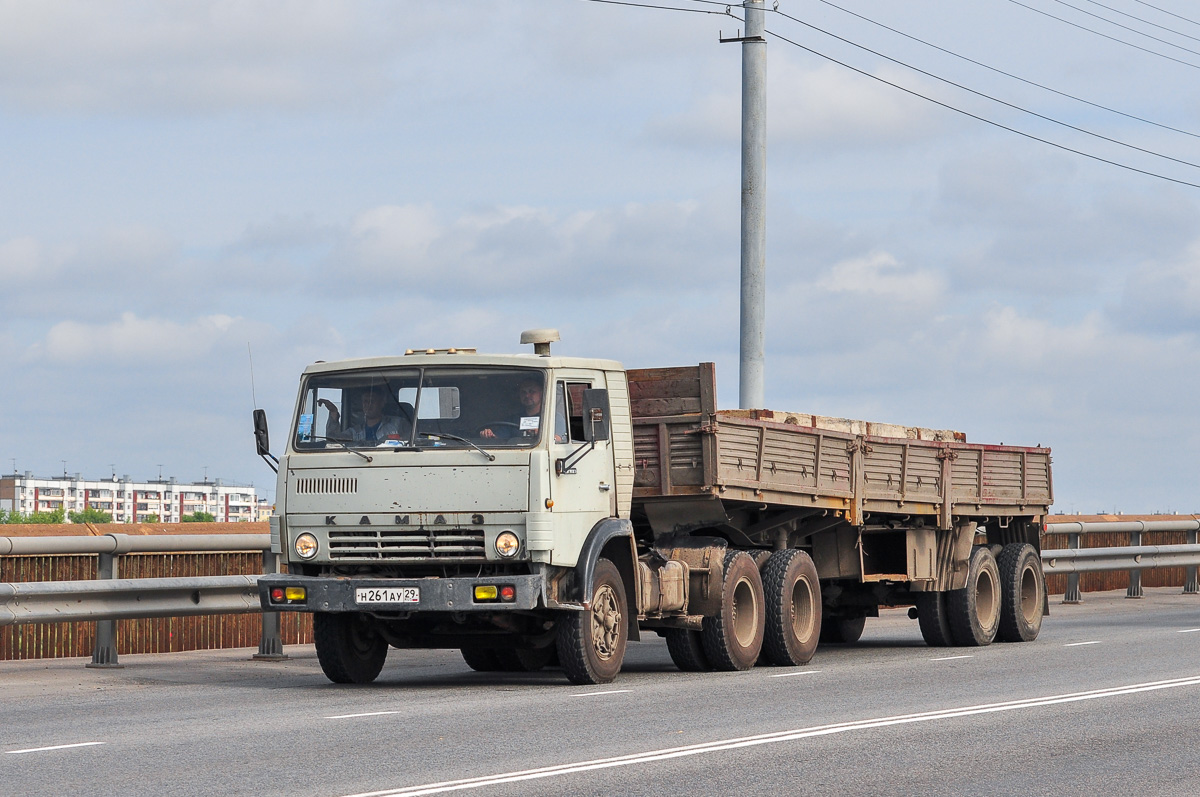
<point>880,274</point>
<point>70,55</point>
<point>828,107</point>
<point>131,339</point>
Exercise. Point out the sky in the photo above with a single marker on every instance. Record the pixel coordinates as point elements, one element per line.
<point>185,185</point>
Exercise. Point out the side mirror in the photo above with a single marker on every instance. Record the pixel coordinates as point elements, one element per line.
<point>260,433</point>
<point>595,416</point>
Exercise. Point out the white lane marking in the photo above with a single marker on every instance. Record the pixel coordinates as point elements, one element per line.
<point>593,694</point>
<point>798,672</point>
<point>367,714</point>
<point>1078,644</point>
<point>53,747</point>
<point>774,738</point>
<point>952,658</point>
<point>1188,630</point>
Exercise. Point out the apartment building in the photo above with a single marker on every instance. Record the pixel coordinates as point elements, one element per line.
<point>126,500</point>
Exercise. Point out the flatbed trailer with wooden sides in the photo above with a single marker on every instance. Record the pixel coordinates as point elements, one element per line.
<point>530,508</point>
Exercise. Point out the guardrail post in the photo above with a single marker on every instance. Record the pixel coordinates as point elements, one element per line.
<point>1192,585</point>
<point>104,655</point>
<point>1135,576</point>
<point>1073,595</point>
<point>270,645</point>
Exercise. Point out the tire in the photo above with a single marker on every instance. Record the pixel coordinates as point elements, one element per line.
<point>843,630</point>
<point>934,619</point>
<point>349,648</point>
<point>1022,593</point>
<point>733,639</point>
<point>793,608</point>
<point>591,644</point>
<point>522,659</point>
<point>687,650</point>
<point>974,610</point>
<point>481,659</point>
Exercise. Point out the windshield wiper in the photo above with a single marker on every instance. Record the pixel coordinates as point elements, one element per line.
<point>328,440</point>
<point>491,457</point>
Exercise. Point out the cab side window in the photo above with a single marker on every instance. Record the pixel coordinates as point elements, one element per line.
<point>569,413</point>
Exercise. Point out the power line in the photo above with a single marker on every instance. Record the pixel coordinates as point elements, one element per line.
<point>946,105</point>
<point>982,118</point>
<point>667,8</point>
<point>947,81</point>
<point>1110,38</point>
<point>1001,71</point>
<point>1139,19</point>
<point>1131,30</point>
<point>1165,11</point>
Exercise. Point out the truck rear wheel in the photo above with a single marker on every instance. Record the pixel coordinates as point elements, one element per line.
<point>843,630</point>
<point>349,648</point>
<point>793,601</point>
<point>934,619</point>
<point>974,610</point>
<point>591,643</point>
<point>733,639</point>
<point>481,659</point>
<point>687,650</point>
<point>523,659</point>
<point>1022,593</point>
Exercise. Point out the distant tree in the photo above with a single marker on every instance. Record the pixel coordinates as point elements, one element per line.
<point>149,519</point>
<point>199,517</point>
<point>7,516</point>
<point>46,518</point>
<point>90,515</point>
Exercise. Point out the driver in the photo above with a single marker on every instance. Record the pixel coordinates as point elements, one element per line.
<point>374,428</point>
<point>529,393</point>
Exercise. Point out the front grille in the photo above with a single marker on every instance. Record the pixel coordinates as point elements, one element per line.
<point>407,546</point>
<point>326,486</point>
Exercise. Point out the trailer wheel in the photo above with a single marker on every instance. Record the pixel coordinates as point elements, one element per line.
<point>481,659</point>
<point>843,630</point>
<point>349,647</point>
<point>793,598</point>
<point>687,650</point>
<point>1022,593</point>
<point>934,619</point>
<point>522,659</point>
<point>591,643</point>
<point>733,639</point>
<point>974,610</point>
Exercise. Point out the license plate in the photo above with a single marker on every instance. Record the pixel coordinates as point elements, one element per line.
<point>387,595</point>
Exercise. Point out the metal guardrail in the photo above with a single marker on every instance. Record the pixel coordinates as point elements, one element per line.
<point>110,598</point>
<point>1134,557</point>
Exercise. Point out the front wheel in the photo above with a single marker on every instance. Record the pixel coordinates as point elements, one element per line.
<point>349,647</point>
<point>591,643</point>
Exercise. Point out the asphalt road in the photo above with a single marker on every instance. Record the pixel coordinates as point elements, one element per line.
<point>1104,702</point>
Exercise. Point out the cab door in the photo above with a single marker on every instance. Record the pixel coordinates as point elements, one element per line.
<point>585,493</point>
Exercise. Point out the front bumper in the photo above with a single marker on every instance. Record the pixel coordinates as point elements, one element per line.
<point>436,594</point>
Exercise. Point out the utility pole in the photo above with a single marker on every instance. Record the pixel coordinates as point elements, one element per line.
<point>754,205</point>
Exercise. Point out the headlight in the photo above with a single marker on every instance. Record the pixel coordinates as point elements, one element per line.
<point>507,544</point>
<point>306,546</point>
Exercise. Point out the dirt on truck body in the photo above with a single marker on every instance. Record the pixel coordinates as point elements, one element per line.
<point>887,520</point>
<point>530,508</point>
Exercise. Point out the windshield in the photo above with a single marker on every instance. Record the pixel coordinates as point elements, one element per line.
<point>432,407</point>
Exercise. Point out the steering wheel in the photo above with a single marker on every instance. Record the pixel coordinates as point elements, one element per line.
<point>493,426</point>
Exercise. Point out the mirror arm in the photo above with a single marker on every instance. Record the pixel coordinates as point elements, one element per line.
<point>564,464</point>
<point>271,460</point>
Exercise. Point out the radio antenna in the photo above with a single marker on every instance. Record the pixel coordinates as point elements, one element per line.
<point>253,397</point>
